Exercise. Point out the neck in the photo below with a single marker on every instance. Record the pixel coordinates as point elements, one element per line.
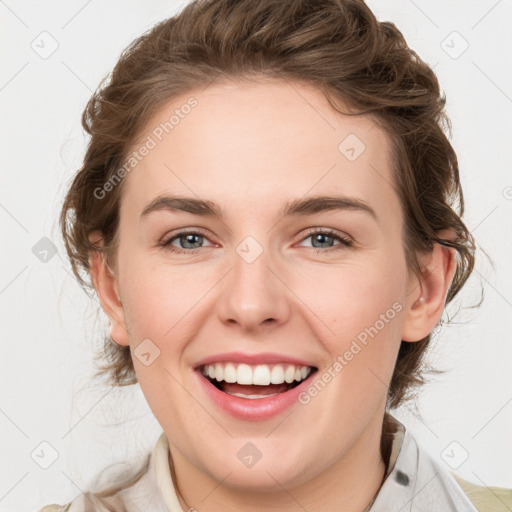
<point>350,484</point>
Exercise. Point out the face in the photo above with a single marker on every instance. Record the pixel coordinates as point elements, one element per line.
<point>265,273</point>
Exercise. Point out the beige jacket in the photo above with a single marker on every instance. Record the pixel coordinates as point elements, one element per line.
<point>415,482</point>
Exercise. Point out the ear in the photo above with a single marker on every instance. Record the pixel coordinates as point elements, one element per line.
<point>106,286</point>
<point>427,294</point>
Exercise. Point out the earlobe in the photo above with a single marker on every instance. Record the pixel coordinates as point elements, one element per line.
<point>106,286</point>
<point>427,294</point>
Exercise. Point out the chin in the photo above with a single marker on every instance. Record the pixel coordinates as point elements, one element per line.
<point>269,475</point>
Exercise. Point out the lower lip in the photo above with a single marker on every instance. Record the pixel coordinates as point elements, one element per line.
<point>257,409</point>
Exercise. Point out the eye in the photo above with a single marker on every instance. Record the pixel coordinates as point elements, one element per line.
<point>325,239</point>
<point>190,242</point>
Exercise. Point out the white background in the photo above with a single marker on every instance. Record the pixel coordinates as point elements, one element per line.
<point>50,329</point>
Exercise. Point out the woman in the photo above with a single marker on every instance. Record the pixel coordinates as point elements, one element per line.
<point>265,211</point>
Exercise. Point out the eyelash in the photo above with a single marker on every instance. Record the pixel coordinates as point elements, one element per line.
<point>344,242</point>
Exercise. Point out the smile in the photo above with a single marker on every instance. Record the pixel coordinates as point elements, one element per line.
<point>222,374</point>
<point>254,392</point>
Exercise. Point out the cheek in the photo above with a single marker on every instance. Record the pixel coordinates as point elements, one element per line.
<point>162,302</point>
<point>351,297</point>
<point>360,306</point>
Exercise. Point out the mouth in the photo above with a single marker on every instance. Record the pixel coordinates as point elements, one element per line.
<point>255,382</point>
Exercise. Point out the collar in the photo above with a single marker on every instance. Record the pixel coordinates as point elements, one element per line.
<point>414,481</point>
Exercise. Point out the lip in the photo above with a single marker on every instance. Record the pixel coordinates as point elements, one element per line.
<point>252,359</point>
<point>258,409</point>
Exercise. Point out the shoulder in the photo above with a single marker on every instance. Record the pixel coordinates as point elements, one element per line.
<point>91,502</point>
<point>486,499</point>
<point>55,508</point>
<point>119,491</point>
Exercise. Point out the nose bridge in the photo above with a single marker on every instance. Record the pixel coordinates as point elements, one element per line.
<point>253,294</point>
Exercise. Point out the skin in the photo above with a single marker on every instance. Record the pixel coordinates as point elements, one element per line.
<point>249,147</point>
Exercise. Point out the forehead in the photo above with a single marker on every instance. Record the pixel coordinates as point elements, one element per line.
<point>260,143</point>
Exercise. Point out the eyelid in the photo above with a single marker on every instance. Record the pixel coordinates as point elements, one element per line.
<point>328,231</point>
<point>166,240</point>
<point>183,231</point>
<point>345,241</point>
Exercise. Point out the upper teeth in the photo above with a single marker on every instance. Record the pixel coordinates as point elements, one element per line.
<point>261,374</point>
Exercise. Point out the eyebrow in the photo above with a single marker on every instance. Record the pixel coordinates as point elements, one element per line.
<point>297,207</point>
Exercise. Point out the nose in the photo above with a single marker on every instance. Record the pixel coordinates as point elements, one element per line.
<point>254,295</point>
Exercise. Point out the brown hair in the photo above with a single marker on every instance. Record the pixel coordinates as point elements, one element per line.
<point>337,46</point>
